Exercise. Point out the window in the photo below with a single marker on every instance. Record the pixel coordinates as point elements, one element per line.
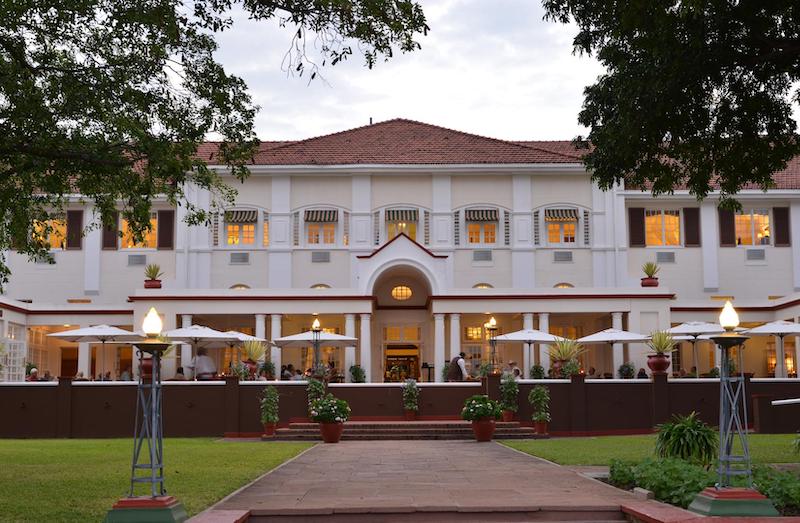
<point>752,227</point>
<point>240,287</point>
<point>473,333</point>
<point>401,293</point>
<point>265,237</point>
<point>563,285</point>
<point>561,232</point>
<point>401,221</point>
<point>482,232</point>
<point>321,286</point>
<point>240,233</point>
<point>321,233</point>
<point>51,233</point>
<point>662,227</point>
<point>149,239</point>
<point>482,286</point>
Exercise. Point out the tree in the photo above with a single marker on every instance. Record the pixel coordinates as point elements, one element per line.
<point>109,99</point>
<point>696,94</point>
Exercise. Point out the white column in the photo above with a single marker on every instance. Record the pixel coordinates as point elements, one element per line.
<point>618,354</point>
<point>544,326</point>
<point>527,323</point>
<point>796,348</point>
<point>349,352</point>
<point>186,349</point>
<point>438,345</point>
<point>455,335</point>
<point>365,341</point>
<point>85,359</point>
<point>274,333</point>
<point>261,332</point>
<point>709,244</point>
<point>780,358</point>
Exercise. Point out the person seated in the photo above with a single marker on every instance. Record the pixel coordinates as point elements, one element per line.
<point>642,374</point>
<point>126,374</point>
<point>107,376</point>
<point>33,375</point>
<point>298,375</point>
<point>80,376</point>
<point>47,376</point>
<point>179,375</point>
<point>682,373</point>
<point>203,366</point>
<point>516,374</point>
<point>288,372</point>
<point>262,375</point>
<point>592,373</point>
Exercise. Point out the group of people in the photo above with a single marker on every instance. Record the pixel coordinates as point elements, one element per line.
<point>125,375</point>
<point>290,373</point>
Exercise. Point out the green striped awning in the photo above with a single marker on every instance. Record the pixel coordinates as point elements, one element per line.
<point>561,215</point>
<point>243,216</point>
<point>321,215</point>
<point>401,215</point>
<point>480,215</point>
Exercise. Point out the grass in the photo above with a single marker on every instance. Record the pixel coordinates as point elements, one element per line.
<point>764,448</point>
<point>80,479</point>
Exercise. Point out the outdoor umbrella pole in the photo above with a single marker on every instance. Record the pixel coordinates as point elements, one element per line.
<point>695,358</point>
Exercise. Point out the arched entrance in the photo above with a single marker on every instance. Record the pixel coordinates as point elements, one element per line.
<point>402,325</point>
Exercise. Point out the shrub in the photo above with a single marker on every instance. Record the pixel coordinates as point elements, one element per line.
<point>329,409</point>
<point>714,373</point>
<point>781,487</point>
<point>485,369</point>
<point>479,407</point>
<point>539,398</point>
<point>672,481</point>
<point>626,371</point>
<point>570,368</point>
<point>687,438</point>
<point>509,390</point>
<point>446,370</point>
<point>315,390</point>
<point>269,368</point>
<point>357,374</point>
<point>269,405</point>
<point>410,395</point>
<point>620,474</point>
<point>241,370</point>
<point>537,372</point>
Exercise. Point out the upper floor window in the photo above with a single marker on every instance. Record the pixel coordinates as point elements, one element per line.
<point>240,227</point>
<point>240,287</point>
<point>482,286</point>
<point>401,221</point>
<point>563,285</point>
<point>752,227</point>
<point>662,227</point>
<point>321,226</point>
<point>562,225</point>
<point>481,226</point>
<point>52,233</point>
<point>265,235</point>
<point>149,238</point>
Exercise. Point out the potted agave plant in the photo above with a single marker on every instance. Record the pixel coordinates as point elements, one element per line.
<point>410,399</point>
<point>509,390</point>
<point>662,344</point>
<point>650,269</point>
<point>152,276</point>
<point>252,351</point>
<point>331,413</point>
<point>483,413</point>
<point>269,410</point>
<point>562,351</point>
<point>539,398</point>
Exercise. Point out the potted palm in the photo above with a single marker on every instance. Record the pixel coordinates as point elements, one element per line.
<point>539,398</point>
<point>269,370</point>
<point>252,351</point>
<point>662,344</point>
<point>357,374</point>
<point>509,390</point>
<point>537,372</point>
<point>269,410</point>
<point>650,269</point>
<point>410,399</point>
<point>563,351</point>
<point>331,413</point>
<point>483,413</point>
<point>152,276</point>
<point>626,371</point>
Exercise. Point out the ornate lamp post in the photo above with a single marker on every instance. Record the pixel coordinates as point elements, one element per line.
<point>491,328</point>
<point>316,330</point>
<point>724,499</point>
<point>147,466</point>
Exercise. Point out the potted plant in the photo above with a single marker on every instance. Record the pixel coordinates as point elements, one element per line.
<point>482,412</point>
<point>509,390</point>
<point>662,344</point>
<point>562,351</point>
<point>152,276</point>
<point>650,269</point>
<point>410,399</point>
<point>537,372</point>
<point>269,410</point>
<point>252,351</point>
<point>331,413</point>
<point>357,374</point>
<point>269,369</point>
<point>539,398</point>
<point>626,371</point>
<point>445,371</point>
<point>314,391</point>
<point>570,368</point>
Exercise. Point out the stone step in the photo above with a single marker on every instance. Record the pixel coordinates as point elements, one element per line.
<point>394,437</point>
<point>431,516</point>
<point>408,424</point>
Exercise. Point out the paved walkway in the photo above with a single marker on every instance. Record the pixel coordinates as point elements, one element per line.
<point>425,476</point>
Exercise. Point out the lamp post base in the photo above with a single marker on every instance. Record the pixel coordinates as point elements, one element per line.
<point>161,509</point>
<point>732,501</point>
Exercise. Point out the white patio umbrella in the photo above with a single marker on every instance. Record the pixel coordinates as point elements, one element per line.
<point>242,337</point>
<point>780,329</point>
<point>528,337</point>
<point>612,336</point>
<point>98,334</point>
<point>304,339</point>
<point>692,331</point>
<point>199,336</point>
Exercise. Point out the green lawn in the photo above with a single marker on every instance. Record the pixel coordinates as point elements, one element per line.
<point>79,480</point>
<point>764,448</point>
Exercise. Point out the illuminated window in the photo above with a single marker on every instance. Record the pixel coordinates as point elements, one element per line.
<point>240,233</point>
<point>473,333</point>
<point>407,228</point>
<point>321,286</point>
<point>561,232</point>
<point>563,285</point>
<point>240,287</point>
<point>148,240</point>
<point>321,233</point>
<point>662,227</point>
<point>265,237</point>
<point>52,234</point>
<point>752,227</point>
<point>401,293</point>
<point>482,286</point>
<point>482,232</point>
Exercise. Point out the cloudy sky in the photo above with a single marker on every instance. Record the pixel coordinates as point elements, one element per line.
<point>491,67</point>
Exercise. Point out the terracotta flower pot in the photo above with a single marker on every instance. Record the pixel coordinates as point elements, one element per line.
<point>483,429</point>
<point>409,415</point>
<point>269,429</point>
<point>555,368</point>
<point>331,432</point>
<point>649,282</point>
<point>540,427</point>
<point>252,366</point>
<point>508,415</point>
<point>658,363</point>
<point>152,284</point>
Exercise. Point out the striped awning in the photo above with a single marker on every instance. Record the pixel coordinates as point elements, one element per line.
<point>244,216</point>
<point>480,215</point>
<point>401,215</point>
<point>321,215</point>
<point>561,215</point>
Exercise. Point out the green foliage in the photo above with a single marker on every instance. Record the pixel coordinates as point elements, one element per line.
<point>687,438</point>
<point>253,350</point>
<point>620,474</point>
<point>714,373</point>
<point>650,269</point>
<point>314,390</point>
<point>570,368</point>
<point>539,398</point>
<point>269,405</point>
<point>480,407</point>
<point>357,374</point>
<point>509,391</point>
<point>241,370</point>
<point>329,409</point>
<point>153,272</point>
<point>537,372</point>
<point>566,349</point>
<point>661,342</point>
<point>672,481</point>
<point>781,487</point>
<point>29,366</point>
<point>445,371</point>
<point>485,369</point>
<point>269,368</point>
<point>411,395</point>
<point>626,371</point>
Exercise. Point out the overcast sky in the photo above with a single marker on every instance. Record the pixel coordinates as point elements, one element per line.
<point>492,67</point>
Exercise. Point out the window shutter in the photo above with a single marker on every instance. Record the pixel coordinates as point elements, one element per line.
<point>456,228</point>
<point>636,226</point>
<point>691,226</point>
<point>74,229</point>
<point>507,227</point>
<point>727,229</point>
<point>296,228</point>
<point>586,236</point>
<point>346,228</point>
<point>426,227</point>
<point>376,227</point>
<point>166,229</point>
<point>215,229</point>
<point>536,227</point>
<point>111,233</point>
<point>781,216</point>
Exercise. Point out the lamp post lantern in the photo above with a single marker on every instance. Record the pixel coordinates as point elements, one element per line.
<point>316,330</point>
<point>723,499</point>
<point>491,328</point>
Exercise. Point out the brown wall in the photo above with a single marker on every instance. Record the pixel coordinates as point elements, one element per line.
<point>578,407</point>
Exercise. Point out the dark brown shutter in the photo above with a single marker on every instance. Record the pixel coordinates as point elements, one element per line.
<point>110,233</point>
<point>727,229</point>
<point>636,226</point>
<point>166,229</point>
<point>74,229</point>
<point>781,216</point>
<point>691,227</point>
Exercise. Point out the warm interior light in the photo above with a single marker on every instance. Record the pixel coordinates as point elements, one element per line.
<point>728,317</point>
<point>315,325</point>
<point>152,323</point>
<point>491,324</point>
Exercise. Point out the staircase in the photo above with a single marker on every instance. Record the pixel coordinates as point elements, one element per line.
<point>403,430</point>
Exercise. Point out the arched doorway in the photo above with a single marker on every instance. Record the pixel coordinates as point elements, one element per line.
<point>402,326</point>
